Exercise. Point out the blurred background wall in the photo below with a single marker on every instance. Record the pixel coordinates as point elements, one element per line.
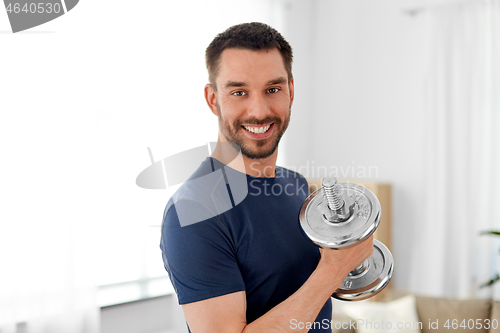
<point>362,76</point>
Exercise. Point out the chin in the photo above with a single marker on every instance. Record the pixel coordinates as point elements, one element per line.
<point>257,153</point>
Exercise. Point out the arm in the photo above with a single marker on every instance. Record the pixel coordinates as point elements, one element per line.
<point>227,314</point>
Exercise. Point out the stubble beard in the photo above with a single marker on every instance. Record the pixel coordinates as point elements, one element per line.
<point>263,148</point>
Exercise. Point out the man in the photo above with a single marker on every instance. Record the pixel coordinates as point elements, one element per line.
<point>249,268</point>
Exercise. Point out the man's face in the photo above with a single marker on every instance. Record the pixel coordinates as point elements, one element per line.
<point>253,100</point>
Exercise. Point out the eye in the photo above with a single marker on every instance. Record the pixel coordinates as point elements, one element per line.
<point>239,93</point>
<point>273,90</point>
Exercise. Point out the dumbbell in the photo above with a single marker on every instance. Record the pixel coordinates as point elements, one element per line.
<point>338,216</point>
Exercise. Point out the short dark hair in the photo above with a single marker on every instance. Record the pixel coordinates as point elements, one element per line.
<point>252,36</point>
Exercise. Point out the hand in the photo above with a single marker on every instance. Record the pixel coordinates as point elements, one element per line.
<point>345,260</point>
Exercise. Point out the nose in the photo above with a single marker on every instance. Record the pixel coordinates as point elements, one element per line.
<point>258,107</point>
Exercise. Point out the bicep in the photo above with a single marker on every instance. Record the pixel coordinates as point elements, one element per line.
<point>222,314</point>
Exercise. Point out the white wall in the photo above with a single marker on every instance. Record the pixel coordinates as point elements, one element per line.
<point>360,65</point>
<point>157,315</point>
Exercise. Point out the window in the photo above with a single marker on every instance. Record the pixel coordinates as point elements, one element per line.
<point>154,99</point>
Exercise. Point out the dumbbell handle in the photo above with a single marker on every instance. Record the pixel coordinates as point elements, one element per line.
<point>332,192</point>
<point>336,203</point>
<point>358,270</point>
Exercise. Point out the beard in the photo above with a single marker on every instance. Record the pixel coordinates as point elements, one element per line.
<point>253,149</point>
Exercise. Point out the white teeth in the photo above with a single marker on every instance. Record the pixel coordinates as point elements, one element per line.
<point>257,130</point>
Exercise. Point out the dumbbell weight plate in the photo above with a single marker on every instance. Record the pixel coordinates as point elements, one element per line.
<point>370,282</point>
<point>361,225</point>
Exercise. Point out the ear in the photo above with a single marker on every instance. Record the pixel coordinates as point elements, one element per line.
<point>291,89</point>
<point>211,98</point>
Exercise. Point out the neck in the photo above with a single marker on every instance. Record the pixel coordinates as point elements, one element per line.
<point>264,167</point>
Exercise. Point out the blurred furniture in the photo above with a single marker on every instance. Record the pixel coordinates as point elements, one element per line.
<point>434,314</point>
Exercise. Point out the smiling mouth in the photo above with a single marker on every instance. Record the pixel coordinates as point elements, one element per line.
<point>257,129</point>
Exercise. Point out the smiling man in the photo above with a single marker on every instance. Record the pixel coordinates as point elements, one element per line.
<point>250,268</point>
<point>256,94</point>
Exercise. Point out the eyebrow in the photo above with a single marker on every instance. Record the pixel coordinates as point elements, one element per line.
<point>279,80</point>
<point>232,84</point>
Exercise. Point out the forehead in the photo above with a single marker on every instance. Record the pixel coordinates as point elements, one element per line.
<point>249,66</point>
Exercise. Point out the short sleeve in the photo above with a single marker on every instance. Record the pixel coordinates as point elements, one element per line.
<point>200,258</point>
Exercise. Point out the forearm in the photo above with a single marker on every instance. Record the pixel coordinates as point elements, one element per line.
<point>301,307</point>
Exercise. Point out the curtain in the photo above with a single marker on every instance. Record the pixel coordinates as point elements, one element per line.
<point>462,164</point>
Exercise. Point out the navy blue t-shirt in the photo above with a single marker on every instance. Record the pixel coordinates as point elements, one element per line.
<point>219,237</point>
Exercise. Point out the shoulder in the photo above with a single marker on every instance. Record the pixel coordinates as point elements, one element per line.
<point>203,196</point>
<point>198,252</point>
<point>194,210</point>
<point>190,232</point>
<point>191,211</point>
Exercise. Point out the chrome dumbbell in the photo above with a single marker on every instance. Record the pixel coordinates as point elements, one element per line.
<point>338,216</point>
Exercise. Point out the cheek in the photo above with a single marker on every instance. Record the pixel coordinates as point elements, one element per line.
<point>281,108</point>
<point>228,118</point>
<point>232,110</point>
<point>281,101</point>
